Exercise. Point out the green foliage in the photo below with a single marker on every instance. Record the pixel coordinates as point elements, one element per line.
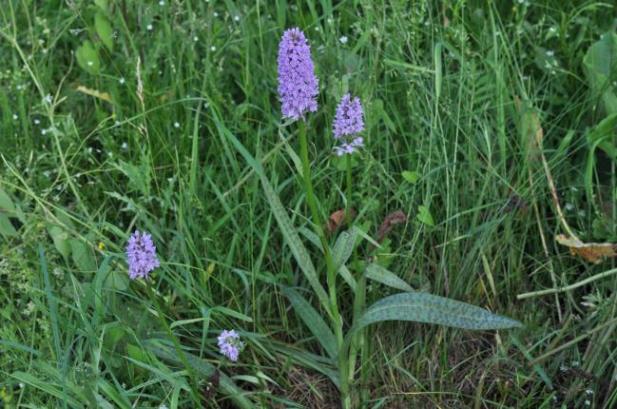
<point>175,129</point>
<point>432,309</point>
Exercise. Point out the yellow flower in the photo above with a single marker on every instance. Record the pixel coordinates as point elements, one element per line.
<point>101,246</point>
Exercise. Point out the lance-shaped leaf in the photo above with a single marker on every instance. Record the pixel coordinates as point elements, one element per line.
<point>384,276</point>
<point>290,234</point>
<point>313,321</point>
<point>432,309</point>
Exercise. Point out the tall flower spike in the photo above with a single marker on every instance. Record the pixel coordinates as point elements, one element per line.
<point>348,123</point>
<point>141,255</point>
<point>298,86</point>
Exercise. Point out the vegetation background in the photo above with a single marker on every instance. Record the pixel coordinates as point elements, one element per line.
<point>116,115</point>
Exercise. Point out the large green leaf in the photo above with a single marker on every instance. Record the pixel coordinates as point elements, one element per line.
<point>313,321</point>
<point>88,58</point>
<point>603,135</point>
<point>6,227</point>
<point>384,276</point>
<point>104,30</point>
<point>432,309</point>
<point>601,69</point>
<point>343,248</point>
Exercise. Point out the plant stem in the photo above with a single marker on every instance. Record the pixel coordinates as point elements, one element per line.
<point>348,191</point>
<point>337,321</point>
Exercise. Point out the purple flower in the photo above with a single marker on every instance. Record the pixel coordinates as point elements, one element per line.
<point>348,122</point>
<point>141,255</point>
<point>230,345</point>
<point>297,82</point>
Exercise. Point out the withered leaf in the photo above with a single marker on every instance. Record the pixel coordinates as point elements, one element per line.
<point>337,219</point>
<point>389,222</point>
<point>593,252</point>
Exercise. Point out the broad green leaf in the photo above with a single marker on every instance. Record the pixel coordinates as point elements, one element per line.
<point>313,321</point>
<point>601,68</point>
<point>432,309</point>
<point>82,256</point>
<point>6,203</point>
<point>116,280</point>
<point>424,216</point>
<point>411,176</point>
<point>102,4</point>
<point>61,240</point>
<point>88,58</point>
<point>602,136</point>
<point>382,275</point>
<point>6,227</point>
<point>343,248</point>
<point>104,30</point>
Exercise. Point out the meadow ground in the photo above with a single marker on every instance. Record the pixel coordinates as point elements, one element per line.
<point>489,131</point>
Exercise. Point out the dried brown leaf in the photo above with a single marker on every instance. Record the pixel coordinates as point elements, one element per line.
<point>389,222</point>
<point>337,219</point>
<point>593,252</point>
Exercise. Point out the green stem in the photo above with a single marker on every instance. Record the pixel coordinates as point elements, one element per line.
<point>348,191</point>
<point>337,321</point>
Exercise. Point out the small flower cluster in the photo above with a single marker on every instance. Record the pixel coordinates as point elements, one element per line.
<point>348,123</point>
<point>230,345</point>
<point>141,255</point>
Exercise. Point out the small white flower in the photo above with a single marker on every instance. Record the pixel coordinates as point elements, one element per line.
<point>37,121</point>
<point>117,123</point>
<point>90,63</point>
<point>589,391</point>
<point>48,99</point>
<point>550,53</point>
<point>237,18</point>
<point>176,125</point>
<point>553,29</point>
<point>162,3</point>
<point>196,39</point>
<point>569,207</point>
<point>215,14</point>
<point>21,385</point>
<point>149,27</point>
<point>15,117</point>
<point>587,402</point>
<point>122,80</point>
<point>163,406</point>
<point>343,40</point>
<point>43,131</point>
<point>124,146</point>
<point>213,48</point>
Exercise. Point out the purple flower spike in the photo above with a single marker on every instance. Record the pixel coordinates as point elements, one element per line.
<point>230,345</point>
<point>141,255</point>
<point>297,82</point>
<point>348,122</point>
